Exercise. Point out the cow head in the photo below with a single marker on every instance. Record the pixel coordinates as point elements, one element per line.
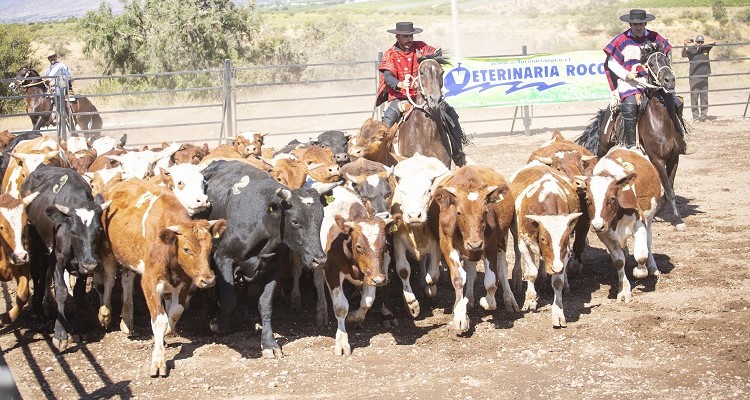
<point>192,244</point>
<point>288,170</point>
<point>370,180</point>
<point>85,230</point>
<point>190,154</point>
<point>366,246</point>
<point>608,198</point>
<point>554,239</point>
<point>337,142</point>
<point>301,214</point>
<point>188,184</point>
<point>321,165</point>
<point>12,226</point>
<point>81,160</point>
<point>414,183</point>
<point>100,181</point>
<point>570,163</point>
<point>373,141</point>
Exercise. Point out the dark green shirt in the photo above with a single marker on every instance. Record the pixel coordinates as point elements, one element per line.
<point>698,56</point>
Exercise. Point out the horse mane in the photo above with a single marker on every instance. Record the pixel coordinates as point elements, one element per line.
<point>437,56</point>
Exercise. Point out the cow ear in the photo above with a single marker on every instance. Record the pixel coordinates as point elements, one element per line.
<point>498,194</point>
<point>167,236</point>
<point>218,226</point>
<point>625,193</point>
<point>342,224</point>
<point>57,213</point>
<point>443,197</point>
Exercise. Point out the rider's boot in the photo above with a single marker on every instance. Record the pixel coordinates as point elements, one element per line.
<point>456,138</point>
<point>629,120</point>
<point>391,115</point>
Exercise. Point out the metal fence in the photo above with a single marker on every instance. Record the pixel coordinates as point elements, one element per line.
<point>301,101</point>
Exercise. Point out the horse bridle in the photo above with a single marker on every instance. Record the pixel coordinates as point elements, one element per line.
<point>25,77</point>
<point>420,88</point>
<point>659,68</point>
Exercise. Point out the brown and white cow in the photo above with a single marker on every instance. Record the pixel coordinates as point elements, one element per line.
<point>321,164</point>
<point>355,245</point>
<point>189,154</point>
<point>25,157</point>
<point>188,184</point>
<point>417,233</point>
<point>623,194</point>
<point>14,257</point>
<point>151,234</point>
<point>476,212</point>
<point>573,160</point>
<point>547,208</point>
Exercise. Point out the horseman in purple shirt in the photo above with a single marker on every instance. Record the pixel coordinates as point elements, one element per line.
<point>624,66</point>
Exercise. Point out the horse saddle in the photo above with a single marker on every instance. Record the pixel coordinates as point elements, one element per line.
<point>406,108</point>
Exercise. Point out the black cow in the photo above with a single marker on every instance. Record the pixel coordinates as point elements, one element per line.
<point>265,221</point>
<point>337,142</point>
<point>65,232</point>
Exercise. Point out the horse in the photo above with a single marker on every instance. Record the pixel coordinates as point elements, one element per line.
<point>425,130</point>
<point>660,128</point>
<point>38,102</point>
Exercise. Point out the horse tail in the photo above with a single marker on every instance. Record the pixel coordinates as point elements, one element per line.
<point>590,136</point>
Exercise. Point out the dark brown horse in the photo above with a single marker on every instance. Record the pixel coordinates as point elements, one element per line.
<point>660,128</point>
<point>425,131</point>
<point>41,105</point>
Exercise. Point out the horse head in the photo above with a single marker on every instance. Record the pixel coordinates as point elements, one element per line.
<point>430,80</point>
<point>658,65</point>
<point>25,76</point>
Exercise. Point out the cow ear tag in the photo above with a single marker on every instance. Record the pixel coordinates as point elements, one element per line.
<point>328,198</point>
<point>58,186</point>
<point>394,227</point>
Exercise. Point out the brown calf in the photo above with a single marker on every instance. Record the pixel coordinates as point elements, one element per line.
<point>373,142</point>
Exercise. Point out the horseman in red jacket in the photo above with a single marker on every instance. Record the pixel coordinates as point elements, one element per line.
<point>400,63</point>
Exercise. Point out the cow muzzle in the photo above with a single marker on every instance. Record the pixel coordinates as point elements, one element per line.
<point>597,225</point>
<point>318,262</point>
<point>20,257</point>
<point>474,245</point>
<point>203,282</point>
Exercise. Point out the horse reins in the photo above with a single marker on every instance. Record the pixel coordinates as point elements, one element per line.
<point>655,75</point>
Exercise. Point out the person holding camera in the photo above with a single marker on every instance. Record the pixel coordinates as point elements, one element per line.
<point>700,68</point>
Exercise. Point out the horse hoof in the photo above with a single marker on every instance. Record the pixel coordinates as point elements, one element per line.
<point>680,227</point>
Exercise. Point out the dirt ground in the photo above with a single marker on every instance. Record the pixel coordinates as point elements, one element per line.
<point>685,335</point>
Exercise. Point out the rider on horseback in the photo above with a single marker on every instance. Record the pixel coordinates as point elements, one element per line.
<point>401,63</point>
<point>623,66</point>
<point>55,68</point>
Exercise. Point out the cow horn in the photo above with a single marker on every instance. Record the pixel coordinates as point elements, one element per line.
<point>544,160</point>
<point>174,228</point>
<point>62,209</point>
<point>313,166</point>
<point>28,199</point>
<point>450,189</point>
<point>574,215</point>
<point>105,205</point>
<point>321,187</point>
<point>284,194</point>
<point>587,158</point>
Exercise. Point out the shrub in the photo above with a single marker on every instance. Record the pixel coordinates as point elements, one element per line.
<point>743,16</point>
<point>719,10</point>
<point>15,52</point>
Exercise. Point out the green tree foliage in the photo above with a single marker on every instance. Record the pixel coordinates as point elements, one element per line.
<point>719,10</point>
<point>15,51</point>
<point>152,36</point>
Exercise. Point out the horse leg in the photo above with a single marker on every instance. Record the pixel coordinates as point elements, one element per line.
<point>669,195</point>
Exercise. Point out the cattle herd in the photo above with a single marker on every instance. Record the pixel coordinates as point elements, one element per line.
<point>187,217</point>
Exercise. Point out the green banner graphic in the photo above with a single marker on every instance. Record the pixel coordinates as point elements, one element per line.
<point>526,80</point>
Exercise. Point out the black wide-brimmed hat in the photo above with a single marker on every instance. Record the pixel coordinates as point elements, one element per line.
<point>637,16</point>
<point>405,28</point>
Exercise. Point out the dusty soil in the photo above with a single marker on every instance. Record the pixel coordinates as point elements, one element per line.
<point>685,335</point>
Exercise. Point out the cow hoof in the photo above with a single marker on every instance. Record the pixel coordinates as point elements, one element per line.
<point>124,327</point>
<point>413,307</point>
<point>389,323</point>
<point>529,305</point>
<point>430,290</point>
<point>158,369</point>
<point>60,345</point>
<point>488,305</point>
<point>624,296</point>
<point>510,304</point>
<point>105,317</point>
<point>558,320</point>
<point>343,349</point>
<point>295,303</point>
<point>680,227</point>
<point>321,318</point>
<point>272,353</point>
<point>640,272</point>
<point>216,327</point>
<point>460,325</point>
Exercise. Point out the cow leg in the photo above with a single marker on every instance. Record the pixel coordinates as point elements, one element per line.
<point>653,269</point>
<point>618,259</point>
<point>159,326</point>
<point>530,274</point>
<point>460,321</point>
<point>517,270</point>
<point>126,322</point>
<point>60,339</point>
<point>509,300</point>
<point>403,268</point>
<point>488,302</point>
<point>558,316</point>
<point>641,250</point>
<point>575,267</point>
<point>470,267</point>
<point>365,303</point>
<point>433,270</point>
<point>79,304</point>
<point>269,347</point>
<point>295,298</point>
<point>177,306</point>
<point>227,293</point>
<point>104,281</point>
<point>21,274</point>
<point>321,306</point>
<point>335,282</point>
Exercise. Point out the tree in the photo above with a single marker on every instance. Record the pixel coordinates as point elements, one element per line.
<point>176,35</point>
<point>719,10</point>
<point>15,52</point>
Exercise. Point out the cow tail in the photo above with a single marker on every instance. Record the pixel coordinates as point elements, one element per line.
<point>590,136</point>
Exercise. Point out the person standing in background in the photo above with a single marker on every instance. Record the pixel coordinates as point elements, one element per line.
<point>700,68</point>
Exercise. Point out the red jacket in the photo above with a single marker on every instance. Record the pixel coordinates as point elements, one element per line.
<point>400,63</point>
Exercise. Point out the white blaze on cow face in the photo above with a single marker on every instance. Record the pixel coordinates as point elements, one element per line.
<point>187,185</point>
<point>558,227</point>
<point>472,196</point>
<point>599,186</point>
<point>373,180</point>
<point>86,216</point>
<point>307,200</point>
<point>371,232</point>
<point>414,196</point>
<point>14,216</point>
